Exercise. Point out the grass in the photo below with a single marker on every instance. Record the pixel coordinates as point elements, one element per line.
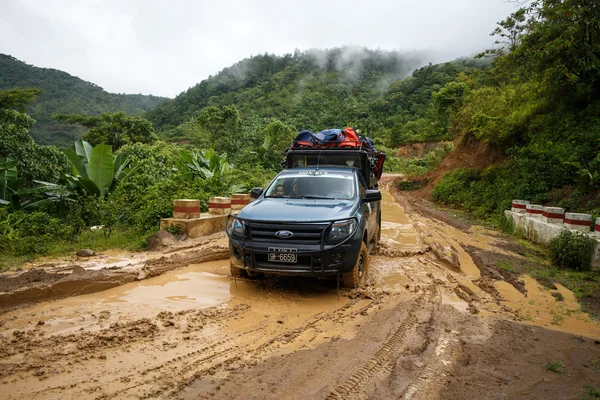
<point>503,265</point>
<point>95,240</point>
<point>555,366</point>
<point>590,393</point>
<point>557,319</point>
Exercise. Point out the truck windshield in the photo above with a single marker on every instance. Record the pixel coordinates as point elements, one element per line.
<point>313,185</point>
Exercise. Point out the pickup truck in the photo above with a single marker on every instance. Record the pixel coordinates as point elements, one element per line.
<point>311,221</point>
<point>319,217</point>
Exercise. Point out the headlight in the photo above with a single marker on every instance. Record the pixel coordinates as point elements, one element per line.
<point>236,228</point>
<point>341,230</point>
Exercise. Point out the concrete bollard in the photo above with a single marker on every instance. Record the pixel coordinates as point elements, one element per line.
<point>239,200</point>
<point>553,215</point>
<point>597,228</point>
<point>534,211</point>
<point>219,205</point>
<point>186,209</point>
<point>578,222</point>
<point>519,206</point>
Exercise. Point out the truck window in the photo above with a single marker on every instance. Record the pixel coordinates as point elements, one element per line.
<point>313,184</point>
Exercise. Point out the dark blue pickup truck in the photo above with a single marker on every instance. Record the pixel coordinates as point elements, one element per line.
<point>313,220</point>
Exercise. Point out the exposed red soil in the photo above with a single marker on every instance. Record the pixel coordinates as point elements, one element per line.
<point>467,153</point>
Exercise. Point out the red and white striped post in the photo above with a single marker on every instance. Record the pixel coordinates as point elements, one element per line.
<point>597,228</point>
<point>219,205</point>
<point>519,206</point>
<point>553,215</point>
<point>534,211</point>
<point>186,209</point>
<point>578,222</point>
<point>239,201</point>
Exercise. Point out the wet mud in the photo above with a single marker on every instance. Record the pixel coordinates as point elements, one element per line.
<point>433,322</point>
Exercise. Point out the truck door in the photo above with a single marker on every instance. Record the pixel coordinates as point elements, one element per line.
<point>369,209</point>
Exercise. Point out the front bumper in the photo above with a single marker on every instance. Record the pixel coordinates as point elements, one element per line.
<point>314,256</point>
<point>315,263</point>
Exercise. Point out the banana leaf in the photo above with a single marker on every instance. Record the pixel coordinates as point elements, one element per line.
<point>102,167</point>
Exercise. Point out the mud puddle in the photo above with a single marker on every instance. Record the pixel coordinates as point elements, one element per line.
<point>194,287</point>
<point>553,309</point>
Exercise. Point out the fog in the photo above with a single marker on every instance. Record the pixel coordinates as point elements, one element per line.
<point>163,48</point>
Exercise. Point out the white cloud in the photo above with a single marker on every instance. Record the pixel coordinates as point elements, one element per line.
<point>162,48</point>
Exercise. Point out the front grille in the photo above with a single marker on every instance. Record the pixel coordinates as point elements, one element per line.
<point>308,234</point>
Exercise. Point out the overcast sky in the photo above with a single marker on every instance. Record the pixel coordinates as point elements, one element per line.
<point>164,47</point>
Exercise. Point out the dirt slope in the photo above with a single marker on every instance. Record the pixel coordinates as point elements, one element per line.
<point>469,153</point>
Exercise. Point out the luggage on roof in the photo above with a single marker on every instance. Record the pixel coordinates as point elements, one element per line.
<point>309,146</point>
<point>332,138</point>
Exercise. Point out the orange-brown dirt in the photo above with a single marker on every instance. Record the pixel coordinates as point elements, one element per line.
<point>467,153</point>
<point>436,321</point>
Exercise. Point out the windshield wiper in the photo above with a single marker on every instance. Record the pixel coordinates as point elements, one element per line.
<point>313,196</point>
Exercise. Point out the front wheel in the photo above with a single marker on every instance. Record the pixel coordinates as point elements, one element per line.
<point>358,276</point>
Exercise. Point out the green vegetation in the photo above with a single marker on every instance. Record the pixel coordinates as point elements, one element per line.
<point>536,104</point>
<point>62,93</point>
<point>50,200</point>
<point>316,90</point>
<point>415,166</point>
<point>572,250</point>
<point>590,393</point>
<point>555,366</point>
<point>539,104</point>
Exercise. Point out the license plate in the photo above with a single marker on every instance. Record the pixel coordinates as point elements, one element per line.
<point>283,255</point>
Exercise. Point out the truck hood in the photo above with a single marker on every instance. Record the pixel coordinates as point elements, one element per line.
<point>298,210</point>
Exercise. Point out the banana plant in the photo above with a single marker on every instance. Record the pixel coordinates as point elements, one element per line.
<point>12,190</point>
<point>8,175</point>
<point>206,163</point>
<point>95,169</point>
<point>212,167</point>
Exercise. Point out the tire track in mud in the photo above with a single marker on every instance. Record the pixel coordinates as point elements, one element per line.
<point>233,351</point>
<point>431,380</point>
<point>382,363</point>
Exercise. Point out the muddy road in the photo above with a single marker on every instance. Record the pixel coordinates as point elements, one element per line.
<point>432,323</point>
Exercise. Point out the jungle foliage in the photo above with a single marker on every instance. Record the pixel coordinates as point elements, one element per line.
<point>540,104</point>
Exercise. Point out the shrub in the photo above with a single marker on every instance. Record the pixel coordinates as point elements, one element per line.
<point>454,187</point>
<point>32,233</point>
<point>572,250</point>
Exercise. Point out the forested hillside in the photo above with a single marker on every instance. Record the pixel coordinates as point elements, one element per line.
<point>65,94</point>
<point>539,105</point>
<point>317,90</point>
<point>524,121</point>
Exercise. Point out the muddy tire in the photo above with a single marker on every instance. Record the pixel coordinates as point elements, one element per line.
<point>378,236</point>
<point>358,276</point>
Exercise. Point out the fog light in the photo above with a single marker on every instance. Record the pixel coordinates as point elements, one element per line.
<point>337,257</point>
<point>237,252</point>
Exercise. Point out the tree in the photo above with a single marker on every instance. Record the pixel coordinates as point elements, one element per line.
<point>33,161</point>
<point>16,99</point>
<point>563,46</point>
<point>220,128</point>
<point>115,129</point>
<point>277,137</point>
<point>510,33</point>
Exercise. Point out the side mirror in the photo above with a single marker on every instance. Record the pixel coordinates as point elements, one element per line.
<point>256,192</point>
<point>372,195</point>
